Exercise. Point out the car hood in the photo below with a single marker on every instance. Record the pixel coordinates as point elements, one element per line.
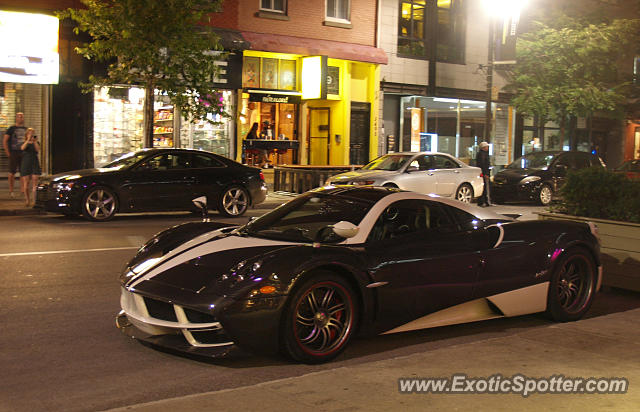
<point>362,174</point>
<point>515,175</point>
<point>218,263</point>
<point>74,174</point>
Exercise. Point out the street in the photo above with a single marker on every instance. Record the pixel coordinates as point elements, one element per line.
<point>60,349</point>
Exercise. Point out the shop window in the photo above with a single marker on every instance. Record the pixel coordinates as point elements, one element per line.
<point>414,39</point>
<point>338,10</point>
<point>273,6</point>
<point>269,73</point>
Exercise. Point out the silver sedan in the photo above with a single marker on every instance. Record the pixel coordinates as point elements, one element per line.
<point>424,172</point>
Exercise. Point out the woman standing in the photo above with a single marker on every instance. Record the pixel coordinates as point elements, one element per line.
<point>30,166</point>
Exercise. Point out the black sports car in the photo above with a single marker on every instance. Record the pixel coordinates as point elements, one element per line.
<point>338,261</point>
<point>153,180</point>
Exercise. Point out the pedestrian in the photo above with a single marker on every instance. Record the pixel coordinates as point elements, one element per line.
<point>13,139</point>
<point>483,162</point>
<point>30,167</point>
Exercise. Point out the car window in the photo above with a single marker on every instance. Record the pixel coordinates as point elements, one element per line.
<point>580,160</point>
<point>465,220</point>
<point>388,162</point>
<point>407,217</point>
<point>202,160</point>
<point>563,161</point>
<point>167,161</point>
<point>443,162</point>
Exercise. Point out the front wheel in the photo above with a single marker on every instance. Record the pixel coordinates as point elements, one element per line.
<point>99,204</point>
<point>319,319</point>
<point>544,198</point>
<point>572,286</point>
<point>234,201</point>
<point>464,193</point>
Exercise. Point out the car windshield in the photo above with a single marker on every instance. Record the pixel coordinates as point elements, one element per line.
<point>126,161</point>
<point>388,162</point>
<point>532,161</point>
<point>307,218</point>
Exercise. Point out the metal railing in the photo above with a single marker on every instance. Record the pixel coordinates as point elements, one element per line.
<point>301,178</point>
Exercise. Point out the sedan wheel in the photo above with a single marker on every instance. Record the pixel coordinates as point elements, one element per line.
<point>572,286</point>
<point>234,202</point>
<point>464,193</point>
<point>99,204</point>
<point>545,195</point>
<point>319,319</point>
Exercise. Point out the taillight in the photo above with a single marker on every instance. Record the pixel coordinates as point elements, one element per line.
<point>261,176</point>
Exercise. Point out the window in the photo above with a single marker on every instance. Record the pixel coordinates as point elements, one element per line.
<point>407,217</point>
<point>443,162</point>
<point>411,28</point>
<point>448,24</point>
<point>167,161</point>
<point>338,10</point>
<point>275,6</point>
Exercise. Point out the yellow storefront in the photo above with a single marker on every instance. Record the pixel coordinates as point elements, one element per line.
<point>325,110</point>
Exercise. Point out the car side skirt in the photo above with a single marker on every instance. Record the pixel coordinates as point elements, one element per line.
<point>530,299</point>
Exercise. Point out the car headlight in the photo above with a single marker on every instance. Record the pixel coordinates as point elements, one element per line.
<point>63,186</point>
<point>529,179</point>
<point>362,182</point>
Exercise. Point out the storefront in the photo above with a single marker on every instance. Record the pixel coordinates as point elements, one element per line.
<point>118,125</point>
<point>311,110</point>
<point>29,65</point>
<point>453,126</point>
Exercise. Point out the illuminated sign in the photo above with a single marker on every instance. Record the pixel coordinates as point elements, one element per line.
<point>29,48</point>
<point>314,77</point>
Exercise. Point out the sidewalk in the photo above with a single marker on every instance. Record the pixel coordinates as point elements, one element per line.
<point>602,347</point>
<point>11,206</point>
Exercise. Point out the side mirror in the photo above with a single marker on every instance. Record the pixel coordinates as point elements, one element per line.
<point>411,169</point>
<point>345,229</point>
<point>201,203</point>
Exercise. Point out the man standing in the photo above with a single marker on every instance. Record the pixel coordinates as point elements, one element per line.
<point>13,139</point>
<point>483,162</point>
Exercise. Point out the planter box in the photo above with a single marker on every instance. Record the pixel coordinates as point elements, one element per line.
<point>620,249</point>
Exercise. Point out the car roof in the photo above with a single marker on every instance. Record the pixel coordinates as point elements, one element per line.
<point>417,153</point>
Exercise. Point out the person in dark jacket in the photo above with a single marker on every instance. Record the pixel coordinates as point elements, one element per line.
<point>483,162</point>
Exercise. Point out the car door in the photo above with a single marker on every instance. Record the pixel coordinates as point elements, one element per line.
<point>162,182</point>
<point>507,260</point>
<point>447,173</point>
<point>418,176</point>
<point>419,260</point>
<point>211,176</point>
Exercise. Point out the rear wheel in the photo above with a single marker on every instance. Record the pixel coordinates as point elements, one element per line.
<point>464,193</point>
<point>544,197</point>
<point>99,204</point>
<point>234,201</point>
<point>319,319</point>
<point>572,286</point>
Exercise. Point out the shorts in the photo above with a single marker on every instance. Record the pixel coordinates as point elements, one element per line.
<point>15,158</point>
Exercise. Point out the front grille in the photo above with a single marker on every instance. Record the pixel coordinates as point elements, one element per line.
<point>210,337</point>
<point>160,310</point>
<point>198,317</point>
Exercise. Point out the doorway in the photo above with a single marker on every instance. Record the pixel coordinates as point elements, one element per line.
<point>319,132</point>
<point>359,141</point>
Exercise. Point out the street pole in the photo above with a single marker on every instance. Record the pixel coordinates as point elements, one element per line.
<point>487,114</point>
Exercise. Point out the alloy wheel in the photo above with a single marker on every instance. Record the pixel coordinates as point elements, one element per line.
<point>235,201</point>
<point>545,195</point>
<point>464,194</point>
<point>99,204</point>
<point>574,284</point>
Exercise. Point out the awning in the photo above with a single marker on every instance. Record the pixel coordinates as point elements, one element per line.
<point>313,47</point>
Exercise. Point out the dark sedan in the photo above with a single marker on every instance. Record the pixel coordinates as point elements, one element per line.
<point>306,277</point>
<point>538,176</point>
<point>154,180</point>
<point>630,168</point>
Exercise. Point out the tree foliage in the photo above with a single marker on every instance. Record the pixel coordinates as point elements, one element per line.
<point>569,67</point>
<point>154,44</point>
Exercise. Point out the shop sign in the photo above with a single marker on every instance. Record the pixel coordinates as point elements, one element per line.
<point>274,98</point>
<point>333,80</point>
<point>314,77</point>
<point>416,126</point>
<point>29,48</point>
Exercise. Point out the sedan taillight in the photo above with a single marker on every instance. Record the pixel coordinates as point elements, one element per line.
<point>261,176</point>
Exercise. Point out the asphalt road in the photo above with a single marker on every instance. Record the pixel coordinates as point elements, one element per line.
<point>60,349</point>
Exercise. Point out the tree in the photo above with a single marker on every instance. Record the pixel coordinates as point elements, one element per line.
<point>157,45</point>
<point>567,67</point>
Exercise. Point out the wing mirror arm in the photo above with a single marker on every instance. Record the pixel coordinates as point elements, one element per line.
<point>201,203</point>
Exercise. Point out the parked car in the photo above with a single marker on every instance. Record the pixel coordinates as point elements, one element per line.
<point>537,176</point>
<point>630,168</point>
<point>338,261</point>
<point>153,180</point>
<point>424,172</point>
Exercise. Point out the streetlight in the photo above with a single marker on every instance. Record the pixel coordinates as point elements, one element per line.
<point>505,11</point>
